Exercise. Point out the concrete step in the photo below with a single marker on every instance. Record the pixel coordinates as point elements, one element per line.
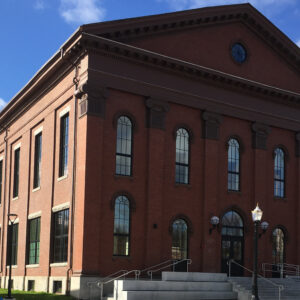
<point>193,276</point>
<point>177,295</point>
<point>146,285</point>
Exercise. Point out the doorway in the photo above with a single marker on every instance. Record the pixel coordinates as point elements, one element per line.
<point>232,246</point>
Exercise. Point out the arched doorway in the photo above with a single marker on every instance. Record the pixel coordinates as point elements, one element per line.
<point>232,242</point>
<point>180,243</point>
<point>278,248</point>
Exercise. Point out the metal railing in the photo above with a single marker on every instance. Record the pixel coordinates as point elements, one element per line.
<point>282,269</point>
<point>96,282</point>
<point>101,284</point>
<point>112,277</point>
<point>158,265</point>
<point>173,264</point>
<point>279,286</point>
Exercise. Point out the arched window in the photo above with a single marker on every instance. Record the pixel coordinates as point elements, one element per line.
<point>279,170</point>
<point>278,246</point>
<point>182,156</point>
<point>233,165</point>
<point>122,226</point>
<point>179,239</point>
<point>124,147</point>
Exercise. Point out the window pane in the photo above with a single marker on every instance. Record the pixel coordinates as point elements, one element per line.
<point>60,237</point>
<point>34,241</point>
<point>124,146</point>
<point>37,160</point>
<point>64,140</point>
<point>182,157</point>
<point>179,239</point>
<point>121,226</point>
<point>279,173</point>
<point>16,173</point>
<point>233,165</point>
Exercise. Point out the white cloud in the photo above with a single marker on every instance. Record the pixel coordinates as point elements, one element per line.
<point>2,103</point>
<point>81,11</point>
<point>260,4</point>
<point>39,5</point>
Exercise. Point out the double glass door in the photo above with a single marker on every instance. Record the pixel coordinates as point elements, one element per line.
<point>232,243</point>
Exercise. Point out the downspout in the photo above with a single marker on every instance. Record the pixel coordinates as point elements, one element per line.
<point>70,269</point>
<point>4,192</point>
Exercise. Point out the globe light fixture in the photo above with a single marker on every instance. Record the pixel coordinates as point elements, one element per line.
<point>214,221</point>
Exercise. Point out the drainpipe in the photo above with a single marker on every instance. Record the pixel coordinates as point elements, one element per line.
<point>70,269</point>
<point>4,203</point>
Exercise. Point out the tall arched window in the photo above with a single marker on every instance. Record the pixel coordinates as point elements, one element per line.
<point>179,239</point>
<point>182,156</point>
<point>122,226</point>
<point>124,147</point>
<point>277,246</point>
<point>279,180</point>
<point>233,165</point>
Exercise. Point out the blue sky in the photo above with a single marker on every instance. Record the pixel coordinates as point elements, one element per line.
<point>33,30</point>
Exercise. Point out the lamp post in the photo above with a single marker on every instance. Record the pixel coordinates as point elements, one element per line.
<point>256,217</point>
<point>11,220</point>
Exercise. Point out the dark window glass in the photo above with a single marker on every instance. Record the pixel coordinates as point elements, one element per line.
<point>179,239</point>
<point>232,224</point>
<point>60,236</point>
<point>64,139</point>
<point>16,173</point>
<point>1,171</point>
<point>278,246</point>
<point>13,244</point>
<point>34,241</point>
<point>239,53</point>
<point>122,226</point>
<point>233,165</point>
<point>124,147</point>
<point>37,160</point>
<point>279,189</point>
<point>182,156</point>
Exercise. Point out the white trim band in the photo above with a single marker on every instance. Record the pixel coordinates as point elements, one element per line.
<point>17,146</point>
<point>34,215</point>
<point>60,207</point>
<point>64,111</point>
<point>37,131</point>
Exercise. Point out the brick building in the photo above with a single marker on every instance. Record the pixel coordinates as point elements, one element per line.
<point>118,152</point>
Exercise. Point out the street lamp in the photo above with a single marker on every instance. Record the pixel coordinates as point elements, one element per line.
<point>256,217</point>
<point>11,220</point>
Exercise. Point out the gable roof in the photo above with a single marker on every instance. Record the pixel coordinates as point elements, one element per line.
<point>126,29</point>
<point>112,36</point>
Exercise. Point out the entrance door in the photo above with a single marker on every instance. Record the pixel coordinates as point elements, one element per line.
<point>180,244</point>
<point>277,252</point>
<point>232,243</point>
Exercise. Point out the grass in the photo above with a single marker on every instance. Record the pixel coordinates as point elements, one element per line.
<point>21,295</point>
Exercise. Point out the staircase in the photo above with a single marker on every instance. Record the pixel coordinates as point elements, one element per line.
<point>175,286</point>
<point>266,291</point>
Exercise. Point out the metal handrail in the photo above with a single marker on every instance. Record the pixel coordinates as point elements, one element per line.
<point>102,283</point>
<point>154,266</point>
<point>188,260</point>
<point>90,283</point>
<point>279,286</point>
<point>283,269</point>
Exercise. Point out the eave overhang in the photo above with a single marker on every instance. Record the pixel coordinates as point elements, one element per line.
<point>125,51</point>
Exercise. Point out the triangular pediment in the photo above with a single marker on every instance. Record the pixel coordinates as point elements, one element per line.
<point>205,36</point>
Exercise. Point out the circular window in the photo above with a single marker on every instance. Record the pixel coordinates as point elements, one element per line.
<point>238,53</point>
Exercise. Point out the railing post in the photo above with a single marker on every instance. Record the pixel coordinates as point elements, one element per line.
<point>229,267</point>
